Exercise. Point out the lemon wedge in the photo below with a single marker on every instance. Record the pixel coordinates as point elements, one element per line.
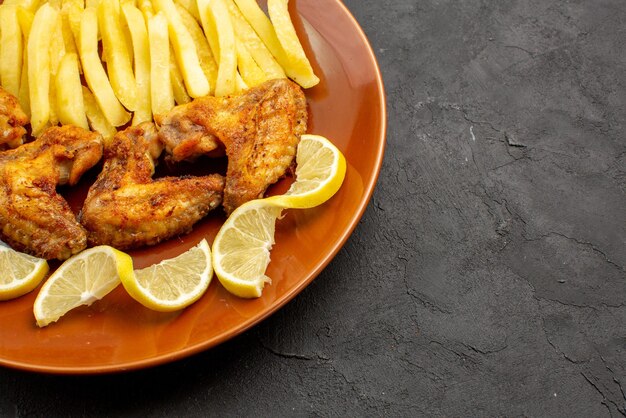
<point>241,249</point>
<point>19,273</point>
<point>175,283</point>
<point>81,280</point>
<point>320,170</point>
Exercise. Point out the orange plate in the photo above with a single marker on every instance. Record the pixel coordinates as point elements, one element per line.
<point>117,333</point>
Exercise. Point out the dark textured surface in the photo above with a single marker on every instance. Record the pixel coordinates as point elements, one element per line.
<point>487,277</point>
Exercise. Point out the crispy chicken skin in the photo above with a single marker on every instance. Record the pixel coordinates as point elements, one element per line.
<point>12,121</point>
<point>259,128</point>
<point>126,208</point>
<point>33,217</point>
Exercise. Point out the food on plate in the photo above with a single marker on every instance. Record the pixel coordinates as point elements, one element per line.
<point>175,283</point>
<point>34,218</point>
<point>259,129</point>
<point>94,65</point>
<point>19,273</point>
<point>220,47</point>
<point>241,249</point>
<point>12,121</point>
<point>126,208</point>
<point>81,280</point>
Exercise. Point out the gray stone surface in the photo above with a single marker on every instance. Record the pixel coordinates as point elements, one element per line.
<point>487,277</point>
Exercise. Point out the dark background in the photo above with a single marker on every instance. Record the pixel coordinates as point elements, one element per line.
<point>487,276</point>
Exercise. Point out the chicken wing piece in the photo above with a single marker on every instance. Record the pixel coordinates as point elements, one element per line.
<point>12,121</point>
<point>259,128</point>
<point>34,218</point>
<point>126,208</point>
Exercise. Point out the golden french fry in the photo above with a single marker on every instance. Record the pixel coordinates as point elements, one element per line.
<point>70,106</point>
<point>161,93</point>
<point>97,121</point>
<point>11,49</point>
<point>30,5</point>
<point>178,84</point>
<point>262,56</point>
<point>117,54</point>
<point>72,11</point>
<point>39,67</point>
<point>141,52</point>
<point>240,84</point>
<point>184,49</point>
<point>94,72</point>
<point>208,26</point>
<point>302,71</point>
<point>25,18</point>
<point>207,61</point>
<point>57,52</point>
<point>191,7</point>
<point>216,14</point>
<point>92,3</point>
<point>69,39</point>
<point>146,9</point>
<point>251,73</point>
<point>262,25</point>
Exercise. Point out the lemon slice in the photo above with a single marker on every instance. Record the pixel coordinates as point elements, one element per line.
<point>174,283</point>
<point>19,273</point>
<point>81,280</point>
<point>241,249</point>
<point>320,170</point>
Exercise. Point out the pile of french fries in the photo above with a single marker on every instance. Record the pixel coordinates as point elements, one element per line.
<point>98,63</point>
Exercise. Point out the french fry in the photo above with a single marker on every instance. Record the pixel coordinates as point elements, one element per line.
<point>207,61</point>
<point>190,6</point>
<point>262,56</point>
<point>178,84</point>
<point>69,37</point>
<point>263,27</point>
<point>97,121</point>
<point>11,50</point>
<point>216,12</point>
<point>57,51</point>
<point>117,54</point>
<point>184,49</point>
<point>30,5</point>
<point>39,67</point>
<point>251,73</point>
<point>302,71</point>
<point>94,72</point>
<point>141,52</point>
<point>146,9</point>
<point>72,11</point>
<point>161,94</point>
<point>240,84</point>
<point>208,26</point>
<point>25,18</point>
<point>70,106</point>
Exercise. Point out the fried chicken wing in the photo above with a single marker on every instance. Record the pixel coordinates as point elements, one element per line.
<point>34,218</point>
<point>12,121</point>
<point>126,208</point>
<point>260,130</point>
